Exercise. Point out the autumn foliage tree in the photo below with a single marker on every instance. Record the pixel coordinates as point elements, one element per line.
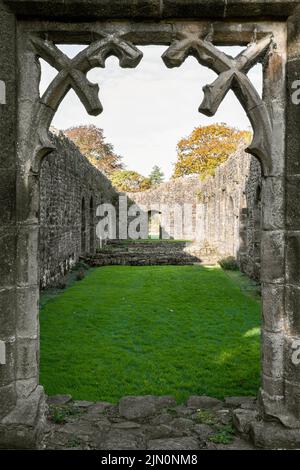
<point>206,148</point>
<point>91,142</point>
<point>130,181</point>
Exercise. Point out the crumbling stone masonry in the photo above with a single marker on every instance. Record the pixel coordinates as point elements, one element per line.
<point>70,191</point>
<point>226,210</point>
<point>29,30</point>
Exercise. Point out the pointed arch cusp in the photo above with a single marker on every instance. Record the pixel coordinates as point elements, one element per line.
<point>72,75</point>
<point>72,72</point>
<point>232,75</point>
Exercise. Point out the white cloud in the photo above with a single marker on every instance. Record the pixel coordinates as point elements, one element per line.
<point>148,109</point>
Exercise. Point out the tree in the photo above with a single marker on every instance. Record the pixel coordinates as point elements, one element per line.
<point>156,176</point>
<point>206,148</point>
<point>91,143</point>
<point>130,181</point>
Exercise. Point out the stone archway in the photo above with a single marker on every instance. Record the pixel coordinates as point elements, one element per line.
<point>24,125</point>
<point>154,225</point>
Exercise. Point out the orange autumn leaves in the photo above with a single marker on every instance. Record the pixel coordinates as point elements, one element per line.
<point>206,148</point>
<point>91,142</point>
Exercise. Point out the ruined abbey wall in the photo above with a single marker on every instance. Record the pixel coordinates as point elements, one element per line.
<point>71,189</point>
<point>230,219</point>
<point>226,209</point>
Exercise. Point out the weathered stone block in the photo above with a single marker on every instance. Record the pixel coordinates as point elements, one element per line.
<point>292,398</point>
<point>292,203</point>
<point>103,9</point>
<point>272,354</point>
<point>273,203</point>
<point>237,402</point>
<point>137,407</point>
<point>141,407</point>
<point>27,358</point>
<point>273,307</point>
<point>60,400</point>
<point>7,74</point>
<point>7,370</point>
<point>7,196</point>
<point>203,402</point>
<point>7,399</point>
<point>23,427</point>
<point>27,299</point>
<point>236,8</point>
<point>177,443</point>
<point>193,8</point>
<point>123,439</point>
<point>24,388</point>
<point>293,258</point>
<point>293,120</point>
<point>27,255</point>
<point>7,258</point>
<point>7,313</point>
<point>292,304</point>
<point>274,436</point>
<point>271,386</point>
<point>272,263</point>
<point>292,359</point>
<point>242,420</point>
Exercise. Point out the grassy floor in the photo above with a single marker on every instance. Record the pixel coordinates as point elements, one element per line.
<point>151,330</point>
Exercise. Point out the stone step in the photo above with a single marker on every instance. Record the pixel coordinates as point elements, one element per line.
<point>149,253</point>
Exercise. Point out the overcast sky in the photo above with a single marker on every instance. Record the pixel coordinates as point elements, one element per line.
<point>147,110</point>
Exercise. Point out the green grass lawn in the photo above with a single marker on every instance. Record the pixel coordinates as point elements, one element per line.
<point>151,330</point>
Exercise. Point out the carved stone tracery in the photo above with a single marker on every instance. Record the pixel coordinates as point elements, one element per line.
<point>72,72</point>
<point>232,75</point>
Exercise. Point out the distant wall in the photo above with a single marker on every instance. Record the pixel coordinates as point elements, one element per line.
<point>71,189</point>
<point>226,209</point>
<point>231,211</point>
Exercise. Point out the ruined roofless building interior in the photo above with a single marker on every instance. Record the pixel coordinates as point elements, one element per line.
<point>29,30</point>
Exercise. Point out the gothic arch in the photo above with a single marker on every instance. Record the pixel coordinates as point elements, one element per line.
<point>274,38</point>
<point>232,75</point>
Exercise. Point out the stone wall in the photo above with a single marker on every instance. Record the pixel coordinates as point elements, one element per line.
<point>230,219</point>
<point>220,214</point>
<point>226,209</point>
<point>71,189</point>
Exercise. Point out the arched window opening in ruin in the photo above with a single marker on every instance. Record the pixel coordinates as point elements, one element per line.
<point>154,225</point>
<point>83,226</point>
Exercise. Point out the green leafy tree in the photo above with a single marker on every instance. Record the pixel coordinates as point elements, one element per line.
<point>130,181</point>
<point>156,176</point>
<point>206,148</point>
<point>91,143</point>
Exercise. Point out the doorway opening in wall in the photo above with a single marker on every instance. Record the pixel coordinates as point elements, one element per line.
<point>156,313</point>
<point>154,225</point>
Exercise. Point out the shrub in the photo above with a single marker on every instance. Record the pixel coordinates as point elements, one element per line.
<point>60,414</point>
<point>229,263</point>
<point>206,417</point>
<point>81,266</point>
<point>80,275</point>
<point>223,436</point>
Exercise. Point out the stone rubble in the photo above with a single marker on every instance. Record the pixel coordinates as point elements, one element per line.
<point>145,423</point>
